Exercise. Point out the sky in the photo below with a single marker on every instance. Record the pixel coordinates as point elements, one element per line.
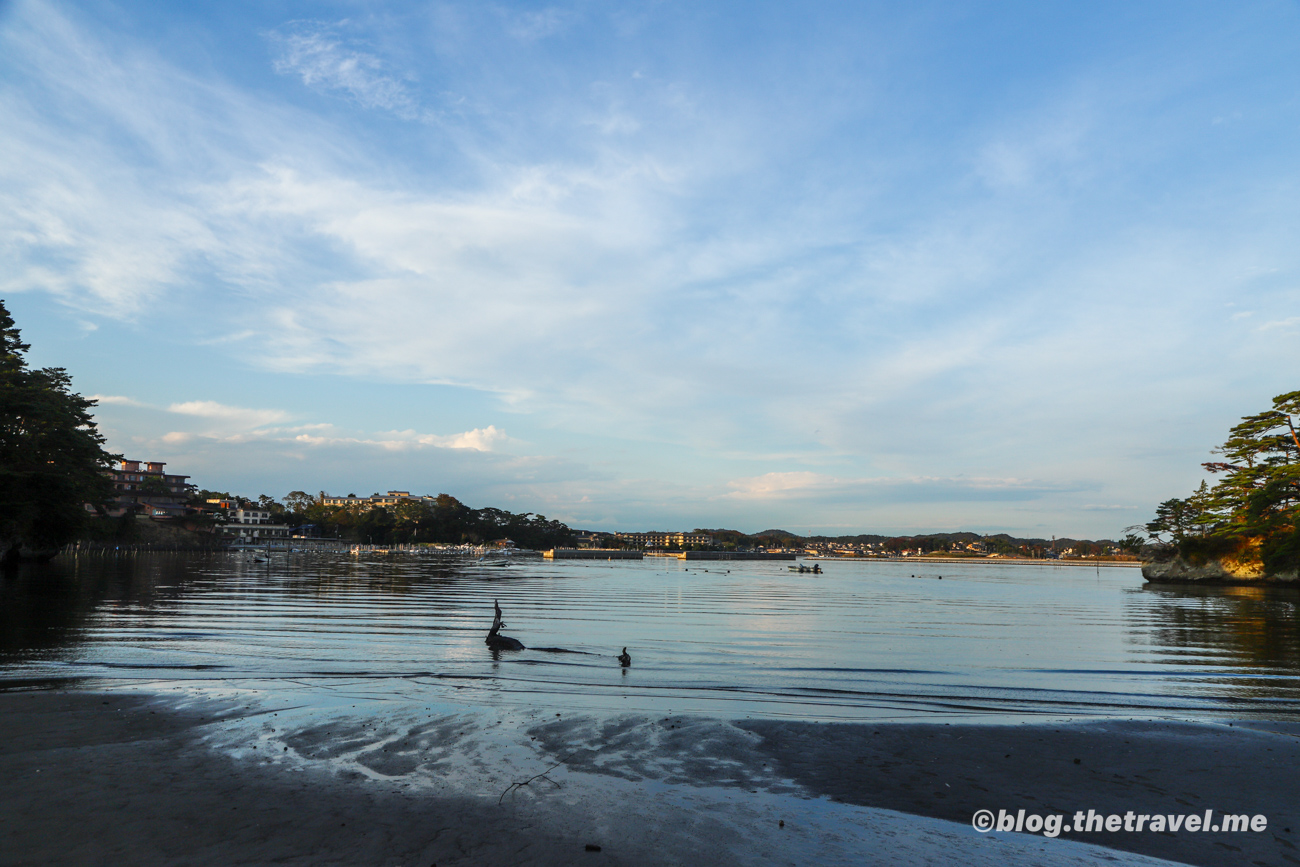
<point>836,268</point>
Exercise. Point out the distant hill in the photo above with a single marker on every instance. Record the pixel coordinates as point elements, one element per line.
<point>929,541</point>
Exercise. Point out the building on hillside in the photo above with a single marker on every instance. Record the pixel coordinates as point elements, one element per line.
<point>392,498</point>
<point>249,516</point>
<point>146,488</point>
<point>655,539</point>
<point>251,526</point>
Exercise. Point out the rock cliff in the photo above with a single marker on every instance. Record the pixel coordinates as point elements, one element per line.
<point>1214,570</point>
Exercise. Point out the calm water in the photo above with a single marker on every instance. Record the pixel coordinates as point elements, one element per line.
<point>863,640</point>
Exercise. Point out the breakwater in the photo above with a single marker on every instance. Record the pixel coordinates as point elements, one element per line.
<point>733,555</point>
<point>624,554</point>
<point>592,554</point>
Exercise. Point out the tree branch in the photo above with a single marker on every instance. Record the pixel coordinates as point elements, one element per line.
<point>514,787</point>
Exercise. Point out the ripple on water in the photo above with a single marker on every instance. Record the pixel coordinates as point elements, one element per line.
<point>862,640</point>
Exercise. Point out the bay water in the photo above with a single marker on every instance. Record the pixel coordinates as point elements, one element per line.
<point>863,640</point>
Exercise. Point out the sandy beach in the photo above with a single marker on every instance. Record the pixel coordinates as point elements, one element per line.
<point>114,778</point>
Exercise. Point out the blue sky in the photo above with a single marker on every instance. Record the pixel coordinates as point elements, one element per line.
<point>861,267</point>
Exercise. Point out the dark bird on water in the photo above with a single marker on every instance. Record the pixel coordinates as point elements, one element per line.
<point>623,659</point>
<point>500,642</point>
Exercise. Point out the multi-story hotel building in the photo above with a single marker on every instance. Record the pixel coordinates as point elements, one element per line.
<point>392,498</point>
<point>145,487</point>
<point>656,539</point>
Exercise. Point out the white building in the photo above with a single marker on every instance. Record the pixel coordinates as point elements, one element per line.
<point>253,525</point>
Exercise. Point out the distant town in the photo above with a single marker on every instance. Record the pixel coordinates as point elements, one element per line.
<point>144,491</point>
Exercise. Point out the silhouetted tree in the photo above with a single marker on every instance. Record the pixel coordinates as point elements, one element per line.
<point>1257,499</point>
<point>52,457</point>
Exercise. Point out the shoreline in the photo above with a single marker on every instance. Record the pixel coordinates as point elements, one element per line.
<point>125,778</point>
<point>1014,561</point>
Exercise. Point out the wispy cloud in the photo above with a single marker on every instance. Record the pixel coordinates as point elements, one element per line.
<point>769,271</point>
<point>539,24</point>
<point>110,158</point>
<point>318,54</point>
<point>1049,147</point>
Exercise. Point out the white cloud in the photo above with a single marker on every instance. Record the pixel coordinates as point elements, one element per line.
<point>809,485</point>
<point>1289,322</point>
<point>780,484</point>
<point>487,283</point>
<point>229,415</point>
<point>115,400</point>
<point>249,426</point>
<point>480,439</point>
<point>485,439</point>
<point>223,423</point>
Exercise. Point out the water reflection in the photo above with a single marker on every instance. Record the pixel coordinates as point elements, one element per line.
<point>47,606</point>
<point>40,609</point>
<point>861,640</point>
<point>1253,627</point>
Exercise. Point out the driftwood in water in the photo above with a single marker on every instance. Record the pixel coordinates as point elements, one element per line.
<point>514,787</point>
<point>494,639</point>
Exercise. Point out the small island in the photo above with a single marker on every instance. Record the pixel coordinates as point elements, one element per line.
<point>1244,529</point>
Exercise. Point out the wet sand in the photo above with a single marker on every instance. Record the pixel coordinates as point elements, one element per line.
<point>949,772</point>
<point>122,779</point>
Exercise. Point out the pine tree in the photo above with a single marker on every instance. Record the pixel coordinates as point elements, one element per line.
<point>1257,499</point>
<point>52,458</point>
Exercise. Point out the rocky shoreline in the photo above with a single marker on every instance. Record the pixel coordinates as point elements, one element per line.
<point>1215,570</point>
